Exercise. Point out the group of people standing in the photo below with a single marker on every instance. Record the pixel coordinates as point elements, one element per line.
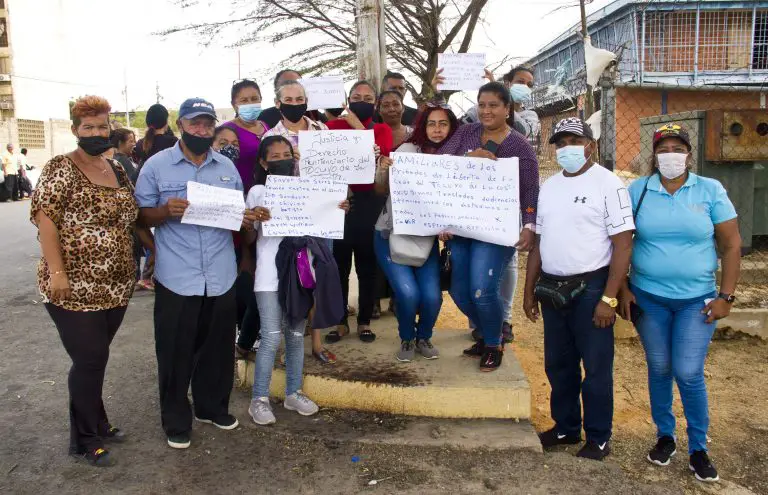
<point>14,183</point>
<point>97,213</point>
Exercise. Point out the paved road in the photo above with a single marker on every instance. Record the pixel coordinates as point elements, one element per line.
<point>33,424</point>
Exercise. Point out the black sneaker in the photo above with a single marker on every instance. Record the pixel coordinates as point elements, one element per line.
<point>491,358</point>
<point>96,457</point>
<point>702,467</point>
<point>180,441</point>
<point>114,435</point>
<point>595,451</point>
<point>225,421</point>
<point>552,438</point>
<point>662,453</point>
<point>507,335</point>
<point>476,350</point>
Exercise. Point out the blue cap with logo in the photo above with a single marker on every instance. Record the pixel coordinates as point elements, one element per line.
<point>194,107</point>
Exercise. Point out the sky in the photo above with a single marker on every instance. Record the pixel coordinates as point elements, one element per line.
<point>66,48</point>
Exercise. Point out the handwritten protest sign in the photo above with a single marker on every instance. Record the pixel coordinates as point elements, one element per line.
<point>324,92</point>
<point>462,71</point>
<point>471,197</point>
<point>340,156</point>
<point>212,206</point>
<point>304,206</point>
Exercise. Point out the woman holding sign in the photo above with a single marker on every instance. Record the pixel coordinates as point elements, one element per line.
<point>276,157</point>
<point>359,224</point>
<point>415,282</point>
<point>479,266</point>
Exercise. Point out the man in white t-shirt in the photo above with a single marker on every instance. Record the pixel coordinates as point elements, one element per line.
<point>584,243</point>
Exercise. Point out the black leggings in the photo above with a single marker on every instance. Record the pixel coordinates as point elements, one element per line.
<point>86,336</point>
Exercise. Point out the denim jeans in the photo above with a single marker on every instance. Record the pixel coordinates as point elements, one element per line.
<point>273,323</point>
<point>417,290</point>
<point>676,336</point>
<point>477,270</point>
<point>570,339</point>
<point>508,289</point>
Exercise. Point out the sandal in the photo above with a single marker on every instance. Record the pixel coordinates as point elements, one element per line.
<point>335,336</point>
<point>365,334</point>
<point>325,356</point>
<point>114,435</point>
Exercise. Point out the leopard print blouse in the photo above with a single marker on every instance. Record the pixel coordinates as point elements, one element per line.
<point>95,225</point>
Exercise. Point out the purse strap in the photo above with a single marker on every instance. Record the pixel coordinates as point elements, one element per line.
<point>642,197</point>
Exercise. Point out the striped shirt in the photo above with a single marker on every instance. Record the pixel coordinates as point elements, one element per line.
<point>468,138</point>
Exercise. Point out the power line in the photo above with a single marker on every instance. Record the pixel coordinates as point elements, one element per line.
<point>17,76</point>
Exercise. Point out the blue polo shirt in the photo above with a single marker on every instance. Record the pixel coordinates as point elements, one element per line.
<point>674,254</point>
<point>190,260</point>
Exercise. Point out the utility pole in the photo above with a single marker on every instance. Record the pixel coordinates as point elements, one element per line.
<point>370,16</point>
<point>238,65</point>
<point>157,92</point>
<point>125,93</point>
<point>589,106</point>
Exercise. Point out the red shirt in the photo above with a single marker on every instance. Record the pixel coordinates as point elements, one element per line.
<point>382,135</point>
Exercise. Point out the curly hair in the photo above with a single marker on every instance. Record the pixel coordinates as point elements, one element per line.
<point>89,106</point>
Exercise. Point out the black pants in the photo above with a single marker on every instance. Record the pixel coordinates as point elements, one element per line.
<point>86,336</point>
<point>570,340</point>
<point>25,186</point>
<point>358,241</point>
<point>12,186</point>
<point>248,320</point>
<point>193,342</point>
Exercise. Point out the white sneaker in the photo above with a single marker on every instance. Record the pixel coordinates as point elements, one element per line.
<point>301,404</point>
<point>261,411</point>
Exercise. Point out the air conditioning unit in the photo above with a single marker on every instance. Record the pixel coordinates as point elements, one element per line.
<point>5,77</point>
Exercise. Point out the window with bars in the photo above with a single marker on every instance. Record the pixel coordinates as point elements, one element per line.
<point>725,41</point>
<point>31,134</point>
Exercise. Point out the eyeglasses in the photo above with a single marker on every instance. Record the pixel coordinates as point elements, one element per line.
<point>238,81</point>
<point>436,104</point>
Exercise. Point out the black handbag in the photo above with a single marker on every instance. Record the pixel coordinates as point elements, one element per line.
<point>445,268</point>
<point>559,292</point>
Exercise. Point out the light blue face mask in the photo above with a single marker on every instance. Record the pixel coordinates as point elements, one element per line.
<point>520,93</point>
<point>249,112</point>
<point>571,158</point>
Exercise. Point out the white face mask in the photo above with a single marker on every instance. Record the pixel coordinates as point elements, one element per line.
<point>672,165</point>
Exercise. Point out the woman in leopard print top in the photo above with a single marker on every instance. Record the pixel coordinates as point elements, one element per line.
<point>85,212</point>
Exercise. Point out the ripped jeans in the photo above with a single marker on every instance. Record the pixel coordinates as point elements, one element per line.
<point>273,324</point>
<point>476,275</point>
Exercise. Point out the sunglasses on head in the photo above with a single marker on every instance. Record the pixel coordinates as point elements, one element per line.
<point>238,81</point>
<point>444,106</point>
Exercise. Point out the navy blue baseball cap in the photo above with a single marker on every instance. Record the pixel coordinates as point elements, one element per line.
<point>194,107</point>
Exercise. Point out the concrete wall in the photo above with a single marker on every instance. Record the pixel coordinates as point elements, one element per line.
<point>58,140</point>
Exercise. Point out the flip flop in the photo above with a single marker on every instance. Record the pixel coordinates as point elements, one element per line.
<point>335,336</point>
<point>325,356</point>
<point>366,335</point>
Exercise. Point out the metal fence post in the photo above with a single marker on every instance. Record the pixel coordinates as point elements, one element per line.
<point>607,123</point>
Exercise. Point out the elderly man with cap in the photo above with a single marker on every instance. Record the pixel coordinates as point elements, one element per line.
<point>11,170</point>
<point>195,270</point>
<point>583,247</point>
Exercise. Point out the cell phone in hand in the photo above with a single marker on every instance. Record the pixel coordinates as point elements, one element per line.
<point>491,146</point>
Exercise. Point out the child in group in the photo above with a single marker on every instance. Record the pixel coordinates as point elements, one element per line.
<point>276,156</point>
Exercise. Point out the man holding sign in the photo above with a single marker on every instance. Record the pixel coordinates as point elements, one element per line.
<point>195,268</point>
<point>359,224</point>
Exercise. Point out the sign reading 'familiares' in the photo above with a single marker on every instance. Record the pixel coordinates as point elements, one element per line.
<point>340,156</point>
<point>470,197</point>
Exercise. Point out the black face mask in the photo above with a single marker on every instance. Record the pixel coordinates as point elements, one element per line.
<point>294,113</point>
<point>196,144</point>
<point>94,145</point>
<point>335,111</point>
<point>362,109</point>
<point>280,167</point>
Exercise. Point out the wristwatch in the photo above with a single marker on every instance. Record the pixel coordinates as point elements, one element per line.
<point>729,298</point>
<point>610,301</point>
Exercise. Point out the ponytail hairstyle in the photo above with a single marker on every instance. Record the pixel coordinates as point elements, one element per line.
<point>157,118</point>
<point>259,174</point>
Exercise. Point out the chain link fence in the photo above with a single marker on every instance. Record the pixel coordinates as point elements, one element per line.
<point>703,67</point>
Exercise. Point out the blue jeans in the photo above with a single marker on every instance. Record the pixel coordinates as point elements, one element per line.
<point>676,338</point>
<point>273,323</point>
<point>508,289</point>
<point>570,339</point>
<point>477,270</point>
<point>417,290</point>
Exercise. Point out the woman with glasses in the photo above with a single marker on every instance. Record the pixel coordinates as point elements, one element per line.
<point>416,288</point>
<point>682,220</point>
<point>478,267</point>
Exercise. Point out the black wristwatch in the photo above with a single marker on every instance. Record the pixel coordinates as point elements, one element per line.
<point>729,298</point>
